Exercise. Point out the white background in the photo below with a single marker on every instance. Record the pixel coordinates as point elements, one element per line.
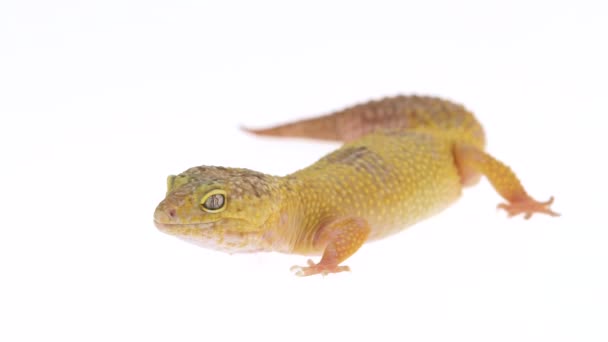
<point>101,100</point>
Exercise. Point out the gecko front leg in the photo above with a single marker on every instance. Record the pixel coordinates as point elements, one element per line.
<point>341,238</point>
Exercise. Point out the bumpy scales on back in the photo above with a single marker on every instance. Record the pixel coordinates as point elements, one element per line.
<point>405,158</point>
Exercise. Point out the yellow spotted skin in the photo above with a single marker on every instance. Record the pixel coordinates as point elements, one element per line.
<point>405,158</point>
<point>391,180</point>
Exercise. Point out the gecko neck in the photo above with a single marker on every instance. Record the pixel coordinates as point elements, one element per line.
<point>291,228</point>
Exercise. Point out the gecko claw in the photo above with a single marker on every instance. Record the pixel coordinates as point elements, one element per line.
<point>528,207</point>
<point>312,269</point>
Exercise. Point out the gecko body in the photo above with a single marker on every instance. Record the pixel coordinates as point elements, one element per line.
<point>405,158</point>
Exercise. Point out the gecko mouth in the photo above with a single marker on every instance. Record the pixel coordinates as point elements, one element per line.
<point>175,227</point>
<point>214,235</point>
<point>167,227</point>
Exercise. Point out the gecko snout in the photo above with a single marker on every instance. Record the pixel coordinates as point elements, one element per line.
<point>164,214</point>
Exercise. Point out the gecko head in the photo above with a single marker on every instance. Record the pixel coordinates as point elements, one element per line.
<point>221,208</point>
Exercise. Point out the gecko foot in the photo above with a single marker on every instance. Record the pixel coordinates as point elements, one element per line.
<point>312,269</point>
<point>528,207</point>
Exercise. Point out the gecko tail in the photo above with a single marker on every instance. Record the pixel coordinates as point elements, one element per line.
<point>320,128</point>
<point>397,113</point>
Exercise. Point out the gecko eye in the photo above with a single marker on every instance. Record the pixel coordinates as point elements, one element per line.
<point>214,201</point>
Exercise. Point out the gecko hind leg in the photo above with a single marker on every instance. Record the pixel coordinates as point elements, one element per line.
<point>342,238</point>
<point>504,181</point>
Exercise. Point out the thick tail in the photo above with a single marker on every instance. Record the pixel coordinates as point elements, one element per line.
<point>397,113</point>
<point>321,128</point>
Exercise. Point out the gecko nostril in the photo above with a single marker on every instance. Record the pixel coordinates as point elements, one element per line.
<point>171,213</point>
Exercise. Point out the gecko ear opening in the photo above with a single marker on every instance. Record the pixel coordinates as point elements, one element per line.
<point>170,181</point>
